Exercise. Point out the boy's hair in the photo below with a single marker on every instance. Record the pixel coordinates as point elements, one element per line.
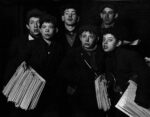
<point>90,28</point>
<point>108,5</point>
<point>69,6</point>
<point>33,13</point>
<point>118,34</point>
<point>48,19</point>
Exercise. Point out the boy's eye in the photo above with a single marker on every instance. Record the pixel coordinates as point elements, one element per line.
<point>50,26</point>
<point>103,12</point>
<point>111,12</point>
<point>67,13</point>
<point>43,26</point>
<point>83,36</point>
<point>38,22</point>
<point>31,22</point>
<point>110,40</point>
<point>73,13</point>
<point>92,36</point>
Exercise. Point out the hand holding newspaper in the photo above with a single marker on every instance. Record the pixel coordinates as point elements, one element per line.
<point>24,88</point>
<point>127,105</point>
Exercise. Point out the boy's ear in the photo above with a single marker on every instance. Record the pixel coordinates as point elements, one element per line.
<point>80,37</point>
<point>119,43</point>
<point>27,26</point>
<point>62,18</point>
<point>116,15</point>
<point>78,19</point>
<point>101,15</point>
<point>56,30</point>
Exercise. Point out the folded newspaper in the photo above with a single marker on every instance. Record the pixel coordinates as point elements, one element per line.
<point>127,105</point>
<point>103,100</point>
<point>24,88</point>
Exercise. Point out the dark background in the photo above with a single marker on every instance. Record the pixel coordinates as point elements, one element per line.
<point>134,14</point>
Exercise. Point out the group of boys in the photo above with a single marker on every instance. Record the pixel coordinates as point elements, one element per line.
<point>69,58</point>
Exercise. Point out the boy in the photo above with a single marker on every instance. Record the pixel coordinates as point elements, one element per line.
<point>108,14</point>
<point>33,22</point>
<point>18,46</point>
<point>68,32</point>
<point>69,39</point>
<point>44,55</point>
<point>79,68</point>
<point>125,64</point>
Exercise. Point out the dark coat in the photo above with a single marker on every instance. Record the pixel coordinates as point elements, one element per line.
<point>80,76</point>
<point>126,64</point>
<point>45,60</point>
<point>62,38</point>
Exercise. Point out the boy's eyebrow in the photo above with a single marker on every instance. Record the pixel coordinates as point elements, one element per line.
<point>71,10</point>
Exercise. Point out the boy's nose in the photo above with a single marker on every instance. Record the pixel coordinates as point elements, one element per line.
<point>107,15</point>
<point>70,15</point>
<point>47,30</point>
<point>105,42</point>
<point>87,39</point>
<point>36,25</point>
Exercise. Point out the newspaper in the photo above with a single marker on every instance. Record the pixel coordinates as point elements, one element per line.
<point>103,100</point>
<point>127,104</point>
<point>24,88</point>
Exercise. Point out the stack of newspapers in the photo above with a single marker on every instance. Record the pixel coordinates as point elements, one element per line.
<point>127,104</point>
<point>103,100</point>
<point>24,88</point>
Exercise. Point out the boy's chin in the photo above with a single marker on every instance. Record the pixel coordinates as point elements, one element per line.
<point>34,34</point>
<point>47,37</point>
<point>86,47</point>
<point>106,50</point>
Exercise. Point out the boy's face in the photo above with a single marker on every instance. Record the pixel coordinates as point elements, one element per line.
<point>33,25</point>
<point>107,15</point>
<point>70,16</point>
<point>109,42</point>
<point>87,39</point>
<point>47,30</point>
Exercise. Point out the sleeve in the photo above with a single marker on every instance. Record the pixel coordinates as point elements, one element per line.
<point>143,79</point>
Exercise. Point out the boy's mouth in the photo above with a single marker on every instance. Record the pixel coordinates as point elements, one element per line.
<point>70,19</point>
<point>105,47</point>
